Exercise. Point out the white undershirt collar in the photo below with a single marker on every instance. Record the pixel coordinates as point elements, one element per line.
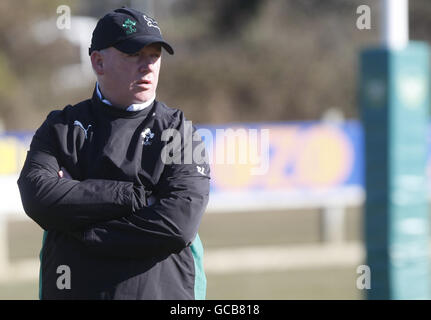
<point>132,107</point>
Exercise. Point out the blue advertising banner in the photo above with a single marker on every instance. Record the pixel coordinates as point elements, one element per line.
<point>285,156</point>
<point>276,165</point>
<point>269,156</point>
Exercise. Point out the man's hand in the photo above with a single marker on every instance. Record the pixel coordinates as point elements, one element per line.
<point>64,174</point>
<point>139,193</point>
<point>139,197</point>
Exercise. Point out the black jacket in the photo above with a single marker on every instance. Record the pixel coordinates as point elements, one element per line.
<point>100,223</point>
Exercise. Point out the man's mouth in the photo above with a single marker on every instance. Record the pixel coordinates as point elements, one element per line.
<point>144,81</point>
<point>146,84</point>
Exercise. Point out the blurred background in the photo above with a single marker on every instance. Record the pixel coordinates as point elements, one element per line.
<point>289,66</point>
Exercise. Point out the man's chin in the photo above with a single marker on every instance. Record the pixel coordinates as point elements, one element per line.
<point>142,99</point>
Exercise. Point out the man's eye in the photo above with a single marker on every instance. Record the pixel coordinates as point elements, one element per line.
<point>136,54</point>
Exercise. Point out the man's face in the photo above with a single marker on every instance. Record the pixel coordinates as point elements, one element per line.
<point>128,78</point>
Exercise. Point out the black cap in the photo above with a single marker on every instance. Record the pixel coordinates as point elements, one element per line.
<point>127,30</point>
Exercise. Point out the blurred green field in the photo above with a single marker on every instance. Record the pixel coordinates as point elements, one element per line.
<point>325,283</point>
<point>281,228</point>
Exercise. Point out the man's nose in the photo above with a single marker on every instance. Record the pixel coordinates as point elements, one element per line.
<point>146,64</point>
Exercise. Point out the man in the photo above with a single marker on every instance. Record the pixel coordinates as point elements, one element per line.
<point>113,185</point>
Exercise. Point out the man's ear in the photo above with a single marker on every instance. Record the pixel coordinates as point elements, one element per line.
<point>97,60</point>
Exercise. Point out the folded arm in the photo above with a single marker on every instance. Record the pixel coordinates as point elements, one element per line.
<point>66,204</point>
<point>169,225</point>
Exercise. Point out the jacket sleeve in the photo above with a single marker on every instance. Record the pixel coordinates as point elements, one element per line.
<point>171,223</point>
<point>65,204</point>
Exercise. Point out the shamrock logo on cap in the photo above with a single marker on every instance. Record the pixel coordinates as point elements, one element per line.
<point>130,26</point>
